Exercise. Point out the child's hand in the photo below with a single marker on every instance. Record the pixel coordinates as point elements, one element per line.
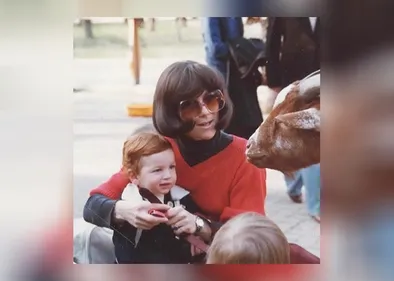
<point>181,220</point>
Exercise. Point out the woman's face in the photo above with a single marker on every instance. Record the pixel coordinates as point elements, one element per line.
<point>205,121</point>
<point>205,124</point>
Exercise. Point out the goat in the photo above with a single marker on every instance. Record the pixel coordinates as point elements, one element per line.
<point>289,138</point>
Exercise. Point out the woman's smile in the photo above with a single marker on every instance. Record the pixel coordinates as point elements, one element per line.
<point>205,125</point>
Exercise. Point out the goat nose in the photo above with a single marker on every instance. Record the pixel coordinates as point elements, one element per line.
<point>252,140</point>
<point>249,143</point>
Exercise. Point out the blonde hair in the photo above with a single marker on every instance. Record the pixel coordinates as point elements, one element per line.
<point>141,144</point>
<point>249,238</point>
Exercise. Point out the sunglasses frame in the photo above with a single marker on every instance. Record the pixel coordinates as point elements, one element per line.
<point>202,104</point>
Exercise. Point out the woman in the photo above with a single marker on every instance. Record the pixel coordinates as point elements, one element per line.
<point>191,107</point>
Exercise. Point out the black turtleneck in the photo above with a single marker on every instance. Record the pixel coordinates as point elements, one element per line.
<point>195,152</point>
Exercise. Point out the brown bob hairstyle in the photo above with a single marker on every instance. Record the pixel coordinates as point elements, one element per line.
<point>186,80</point>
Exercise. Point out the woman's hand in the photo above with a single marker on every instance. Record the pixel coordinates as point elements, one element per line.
<point>181,220</point>
<point>137,214</point>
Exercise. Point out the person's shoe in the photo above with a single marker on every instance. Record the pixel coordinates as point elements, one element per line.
<point>316,218</point>
<point>296,198</point>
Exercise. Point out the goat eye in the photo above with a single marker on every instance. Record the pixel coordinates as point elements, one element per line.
<point>276,125</point>
<point>279,124</point>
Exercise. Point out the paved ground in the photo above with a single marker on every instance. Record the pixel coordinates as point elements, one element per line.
<point>101,125</point>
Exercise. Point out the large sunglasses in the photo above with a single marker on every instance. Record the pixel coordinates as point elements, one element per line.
<point>213,102</point>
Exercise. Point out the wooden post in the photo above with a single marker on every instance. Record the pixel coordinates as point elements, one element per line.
<point>134,43</point>
<point>87,25</point>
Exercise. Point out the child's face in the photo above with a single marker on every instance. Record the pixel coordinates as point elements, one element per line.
<point>157,172</point>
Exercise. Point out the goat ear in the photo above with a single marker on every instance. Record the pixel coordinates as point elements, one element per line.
<point>308,119</point>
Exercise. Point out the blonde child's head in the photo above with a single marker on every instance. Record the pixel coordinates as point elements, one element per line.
<point>148,160</point>
<point>249,238</point>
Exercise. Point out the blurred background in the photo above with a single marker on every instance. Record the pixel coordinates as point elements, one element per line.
<point>103,48</point>
<point>159,37</point>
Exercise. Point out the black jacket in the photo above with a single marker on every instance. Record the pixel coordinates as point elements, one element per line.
<point>243,79</point>
<point>247,55</point>
<point>158,245</point>
<point>298,54</point>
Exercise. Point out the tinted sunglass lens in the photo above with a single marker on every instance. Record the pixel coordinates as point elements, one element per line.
<point>214,101</point>
<point>189,109</point>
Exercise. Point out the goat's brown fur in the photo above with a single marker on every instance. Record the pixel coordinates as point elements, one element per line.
<point>300,147</point>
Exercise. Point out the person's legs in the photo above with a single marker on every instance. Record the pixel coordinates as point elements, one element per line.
<point>311,179</point>
<point>294,184</point>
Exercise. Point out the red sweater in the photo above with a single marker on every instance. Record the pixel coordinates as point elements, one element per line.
<point>222,186</point>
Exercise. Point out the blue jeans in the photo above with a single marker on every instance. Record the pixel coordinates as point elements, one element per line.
<point>376,233</point>
<point>310,178</point>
